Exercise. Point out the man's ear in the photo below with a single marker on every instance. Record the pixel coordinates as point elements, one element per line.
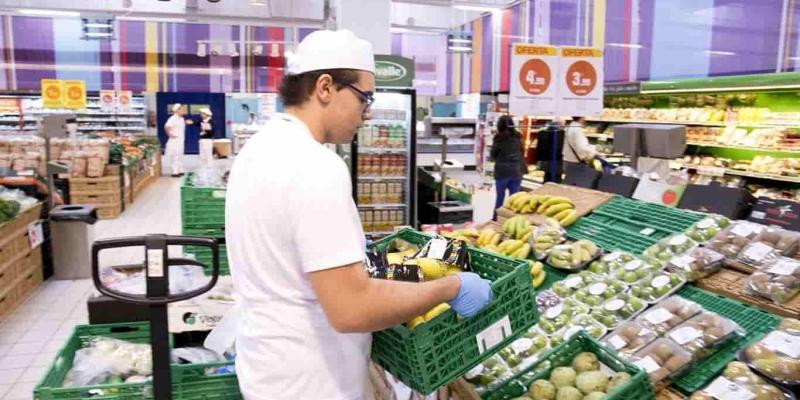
<point>325,88</point>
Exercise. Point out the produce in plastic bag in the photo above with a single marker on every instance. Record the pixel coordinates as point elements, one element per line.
<point>568,287</point>
<point>731,240</point>
<point>610,262</point>
<point>668,314</point>
<point>634,270</point>
<point>738,383</point>
<point>544,238</point>
<point>524,351</point>
<point>618,309</point>
<point>88,368</point>
<point>556,317</point>
<point>630,337</point>
<point>195,355</point>
<point>701,333</point>
<point>769,244</point>
<point>579,323</point>
<point>778,280</point>
<point>106,359</point>
<point>490,374</point>
<point>602,289</point>
<point>668,247</point>
<point>699,263</point>
<point>662,359</point>
<point>573,256</point>
<point>208,176</point>
<point>777,355</point>
<point>657,286</point>
<point>704,230</point>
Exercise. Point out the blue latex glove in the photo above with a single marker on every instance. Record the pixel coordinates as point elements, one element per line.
<point>474,294</point>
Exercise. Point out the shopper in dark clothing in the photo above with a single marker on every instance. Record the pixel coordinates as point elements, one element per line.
<point>509,164</point>
<point>549,147</point>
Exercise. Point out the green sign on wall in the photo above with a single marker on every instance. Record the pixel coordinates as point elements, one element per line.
<point>393,71</point>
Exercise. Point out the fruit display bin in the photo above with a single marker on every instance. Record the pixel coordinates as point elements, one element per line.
<point>608,236</point>
<point>439,351</point>
<point>638,216</point>
<point>755,322</point>
<point>189,381</point>
<point>638,387</point>
<point>203,254</point>
<point>201,207</point>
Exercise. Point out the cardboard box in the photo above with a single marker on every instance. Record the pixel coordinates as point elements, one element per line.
<point>659,192</point>
<point>627,138</point>
<point>663,141</point>
<point>196,315</point>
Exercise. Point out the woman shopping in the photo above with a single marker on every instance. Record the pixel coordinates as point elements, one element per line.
<point>509,164</point>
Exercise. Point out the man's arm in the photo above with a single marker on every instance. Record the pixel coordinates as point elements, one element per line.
<point>354,302</point>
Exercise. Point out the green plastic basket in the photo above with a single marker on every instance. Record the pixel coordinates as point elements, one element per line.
<point>201,207</point>
<point>638,216</point>
<point>189,382</point>
<point>217,233</point>
<point>203,254</point>
<point>638,388</point>
<point>757,323</point>
<point>439,351</point>
<point>608,236</point>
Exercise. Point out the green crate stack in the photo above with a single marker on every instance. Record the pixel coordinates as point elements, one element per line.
<point>755,322</point>
<point>439,351</point>
<point>203,214</point>
<point>648,219</point>
<point>608,236</point>
<point>638,387</point>
<point>189,381</point>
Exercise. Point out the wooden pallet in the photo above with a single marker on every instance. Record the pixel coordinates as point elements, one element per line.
<point>731,283</point>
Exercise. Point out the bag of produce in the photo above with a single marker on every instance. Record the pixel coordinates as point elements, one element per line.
<point>707,228</point>
<point>579,323</point>
<point>630,337</point>
<point>769,244</point>
<point>654,287</point>
<point>567,287</point>
<point>738,383</point>
<point>662,359</point>
<point>607,263</point>
<point>453,252</point>
<point>777,355</point>
<point>699,263</point>
<point>573,256</point>
<point>523,352</point>
<point>731,240</point>
<point>489,374</point>
<point>634,271</point>
<point>778,280</point>
<point>668,314</point>
<point>600,290</point>
<point>618,309</point>
<point>704,332</point>
<point>556,317</point>
<point>544,238</point>
<point>668,247</point>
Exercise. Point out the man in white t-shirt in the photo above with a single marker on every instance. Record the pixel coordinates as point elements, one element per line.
<point>175,128</point>
<point>295,243</point>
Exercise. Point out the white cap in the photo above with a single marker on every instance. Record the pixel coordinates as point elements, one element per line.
<point>206,111</point>
<point>331,50</point>
<point>176,107</point>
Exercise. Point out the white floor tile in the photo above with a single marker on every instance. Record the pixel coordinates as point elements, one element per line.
<point>9,337</point>
<point>4,348</point>
<point>4,389</point>
<point>36,336</point>
<point>21,391</point>
<point>21,361</point>
<point>44,359</point>
<point>33,374</point>
<point>20,326</point>
<point>10,376</point>
<point>26,348</point>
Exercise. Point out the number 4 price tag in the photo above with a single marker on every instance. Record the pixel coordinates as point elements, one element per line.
<point>533,89</point>
<point>35,234</point>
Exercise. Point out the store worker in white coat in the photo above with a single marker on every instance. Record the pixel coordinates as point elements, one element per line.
<point>295,242</point>
<point>175,129</point>
<point>576,146</point>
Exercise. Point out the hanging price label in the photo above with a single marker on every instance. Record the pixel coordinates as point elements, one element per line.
<point>35,234</point>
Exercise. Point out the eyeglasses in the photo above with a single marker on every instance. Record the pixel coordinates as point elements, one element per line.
<point>365,97</point>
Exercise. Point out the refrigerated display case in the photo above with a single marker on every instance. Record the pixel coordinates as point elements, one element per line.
<point>382,160</point>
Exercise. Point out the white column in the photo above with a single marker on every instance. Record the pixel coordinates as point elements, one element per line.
<point>369,20</point>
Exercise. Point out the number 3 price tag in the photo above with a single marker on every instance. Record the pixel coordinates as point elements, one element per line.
<point>581,81</point>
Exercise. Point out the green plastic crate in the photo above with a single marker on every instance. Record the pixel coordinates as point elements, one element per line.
<point>437,352</point>
<point>203,254</point>
<point>757,323</point>
<point>217,233</point>
<point>202,207</point>
<point>638,216</point>
<point>608,236</point>
<point>189,382</point>
<point>638,388</point>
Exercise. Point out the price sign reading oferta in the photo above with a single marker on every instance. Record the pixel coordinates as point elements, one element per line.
<point>533,88</point>
<point>580,81</point>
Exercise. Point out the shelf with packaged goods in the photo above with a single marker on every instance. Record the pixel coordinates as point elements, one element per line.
<point>382,178</point>
<point>709,144</point>
<point>746,124</point>
<point>378,233</point>
<point>383,206</point>
<point>384,122</point>
<point>382,150</point>
<point>108,120</point>
<point>748,174</point>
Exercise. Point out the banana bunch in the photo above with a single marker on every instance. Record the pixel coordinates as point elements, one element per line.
<point>561,208</point>
<point>546,237</point>
<point>572,256</point>
<point>433,268</point>
<point>428,316</point>
<point>399,257</point>
<point>488,239</point>
<point>538,274</point>
<point>469,235</point>
<point>518,227</point>
<point>514,248</point>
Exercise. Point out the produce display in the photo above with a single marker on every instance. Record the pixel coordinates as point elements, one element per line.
<point>701,333</point>
<point>558,316</point>
<point>777,355</point>
<point>629,337</point>
<point>610,261</point>
<point>768,245</point>
<point>579,323</point>
<point>739,382</point>
<point>731,240</point>
<point>559,208</point>
<point>666,248</point>
<point>583,379</point>
<point>489,374</point>
<point>777,280</point>
<point>518,227</point>
<point>662,359</point>
<point>570,285</point>
<point>656,286</point>
<point>618,309</point>
<point>8,210</point>
<point>698,263</point>
<point>635,270</point>
<point>538,274</point>
<point>668,314</point>
<point>704,230</point>
<point>600,290</point>
<point>573,256</point>
<point>545,237</point>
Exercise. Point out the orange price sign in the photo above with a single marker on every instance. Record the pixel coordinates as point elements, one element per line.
<point>535,76</point>
<point>52,93</point>
<point>75,94</point>
<point>581,78</point>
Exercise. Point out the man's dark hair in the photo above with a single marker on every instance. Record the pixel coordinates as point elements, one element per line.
<point>577,119</point>
<point>296,89</point>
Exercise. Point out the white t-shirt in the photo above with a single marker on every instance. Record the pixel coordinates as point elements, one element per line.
<point>178,125</point>
<point>289,212</point>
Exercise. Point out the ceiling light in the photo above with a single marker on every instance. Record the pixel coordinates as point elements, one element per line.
<point>98,34</point>
<point>48,13</point>
<point>95,25</point>
<point>720,53</point>
<point>625,45</point>
<point>476,8</point>
<point>201,50</point>
<point>459,48</point>
<point>233,51</point>
<point>259,2</point>
<point>460,41</point>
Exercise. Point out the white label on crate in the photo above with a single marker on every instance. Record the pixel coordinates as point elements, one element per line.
<point>705,223</point>
<point>521,345</point>
<point>724,389</point>
<point>437,248</point>
<point>494,334</point>
<point>784,267</point>
<point>743,229</point>
<point>757,251</point>
<point>678,240</point>
<point>612,256</point>
<point>155,263</point>
<point>685,335</point>
<point>658,316</point>
<point>647,364</point>
<point>598,288</point>
<point>784,343</point>
<point>659,281</point>
<point>617,342</point>
<point>35,234</point>
<point>218,194</point>
<point>573,282</point>
<point>758,215</point>
<point>682,261</point>
<point>633,265</point>
<point>615,305</point>
<point>554,311</point>
<point>647,231</point>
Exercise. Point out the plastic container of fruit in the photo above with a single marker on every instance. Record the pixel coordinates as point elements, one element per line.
<point>662,359</point>
<point>777,355</point>
<point>527,350</point>
<point>731,240</point>
<point>630,337</point>
<point>618,309</point>
<point>698,263</point>
<point>573,256</point>
<point>768,245</point>
<point>668,247</point>
<point>702,333</point>
<point>608,262</point>
<point>739,382</point>
<point>778,280</point>
<point>704,230</point>
<point>668,314</point>
<point>656,287</point>
<point>634,271</point>
<point>544,238</point>
<point>580,323</point>
<point>490,374</point>
<point>597,292</point>
<point>567,287</point>
<point>558,316</point>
